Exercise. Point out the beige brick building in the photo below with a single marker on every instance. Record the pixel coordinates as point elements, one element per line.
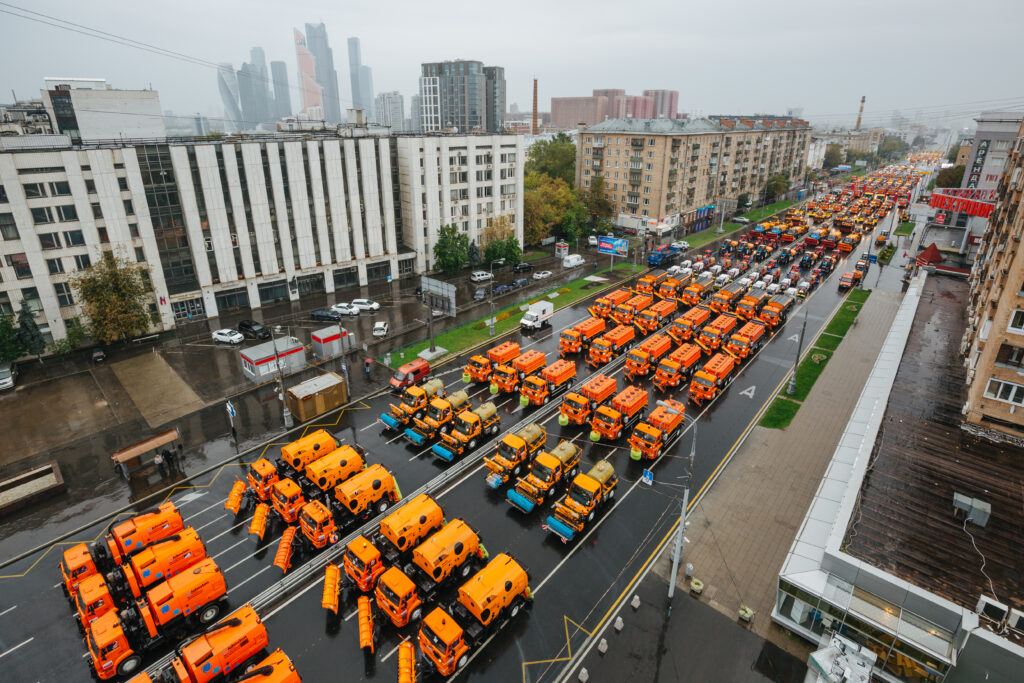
<point>994,341</point>
<point>663,167</point>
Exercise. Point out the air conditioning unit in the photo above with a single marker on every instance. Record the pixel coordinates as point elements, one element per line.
<point>992,609</point>
<point>1016,620</point>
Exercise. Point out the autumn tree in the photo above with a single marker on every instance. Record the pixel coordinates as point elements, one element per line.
<point>115,294</point>
<point>545,202</point>
<point>776,185</point>
<point>950,177</point>
<point>833,155</point>
<point>555,158</point>
<point>451,250</point>
<point>595,202</point>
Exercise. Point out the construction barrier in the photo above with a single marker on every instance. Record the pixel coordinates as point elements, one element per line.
<point>332,578</point>
<point>234,502</point>
<point>283,556</point>
<point>258,525</point>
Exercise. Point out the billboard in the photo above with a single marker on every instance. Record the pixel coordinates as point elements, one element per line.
<point>969,206</point>
<point>614,246</point>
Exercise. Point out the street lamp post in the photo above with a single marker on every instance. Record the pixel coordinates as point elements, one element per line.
<point>285,413</point>
<point>791,389</point>
<point>677,549</point>
<point>490,282</point>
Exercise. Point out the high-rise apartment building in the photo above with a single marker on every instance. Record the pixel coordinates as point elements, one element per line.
<point>568,112</point>
<point>323,67</point>
<point>665,102</point>
<point>415,115</point>
<point>665,167</point>
<point>390,110</point>
<point>994,340</point>
<point>312,92</point>
<point>460,95</point>
<point>282,95</point>
<point>90,109</point>
<point>361,77</point>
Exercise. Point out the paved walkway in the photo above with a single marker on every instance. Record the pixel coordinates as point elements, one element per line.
<point>740,532</point>
<point>160,394</point>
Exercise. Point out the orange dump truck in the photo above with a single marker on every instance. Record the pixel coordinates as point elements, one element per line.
<point>553,381</point>
<point>604,305</point>
<point>645,356</point>
<point>117,641</point>
<point>652,436</point>
<point>513,453</point>
<point>610,345</point>
<point>122,538</point>
<point>673,287</point>
<point>727,297</point>
<point>479,368</point>
<point>698,290</point>
<point>626,311</point>
<point>508,377</point>
<point>716,332</point>
<point>776,311</point>
<point>577,338</point>
<point>709,381</point>
<point>650,319</point>
<point>649,284</point>
<point>489,600</point>
<point>576,408</point>
<point>453,552</point>
<point>224,651</point>
<point>744,343</point>
<point>752,303</point>
<point>690,324</point>
<point>677,368</point>
<point>626,409</point>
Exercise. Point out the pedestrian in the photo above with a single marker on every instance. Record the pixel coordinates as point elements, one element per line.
<point>159,461</point>
<point>367,366</point>
<point>169,459</point>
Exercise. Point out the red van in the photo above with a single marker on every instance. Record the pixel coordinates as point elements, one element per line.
<point>413,372</point>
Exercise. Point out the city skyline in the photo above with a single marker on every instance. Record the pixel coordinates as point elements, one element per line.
<point>828,90</point>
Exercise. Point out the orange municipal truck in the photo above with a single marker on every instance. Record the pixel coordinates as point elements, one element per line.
<point>672,287</point>
<point>727,297</point>
<point>479,368</point>
<point>690,324</point>
<point>716,332</point>
<point>507,377</point>
<point>604,305</point>
<point>745,342</point>
<point>577,408</point>
<point>697,290</point>
<point>553,381</point>
<point>709,381</point>
<point>640,360</point>
<point>626,311</point>
<point>654,317</point>
<point>577,338</point>
<point>610,345</point>
<point>677,368</point>
<point>652,436</point>
<point>650,283</point>
<point>751,304</point>
<point>776,311</point>
<point>626,409</point>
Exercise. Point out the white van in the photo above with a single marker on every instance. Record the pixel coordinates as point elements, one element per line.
<point>572,260</point>
<point>721,280</point>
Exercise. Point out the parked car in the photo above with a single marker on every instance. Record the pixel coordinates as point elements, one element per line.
<point>592,240</point>
<point>501,289</point>
<point>251,328</point>
<point>98,355</point>
<point>520,282</point>
<point>437,313</point>
<point>8,375</point>
<point>380,329</point>
<point>328,313</point>
<point>480,294</point>
<point>228,336</point>
<point>681,244</point>
<point>741,220</point>
<point>542,274</point>
<point>366,304</point>
<point>344,309</point>
<point>522,267</point>
<point>481,276</point>
<point>413,372</point>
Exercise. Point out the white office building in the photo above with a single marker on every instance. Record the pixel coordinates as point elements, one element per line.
<point>389,110</point>
<point>465,180</point>
<point>90,109</point>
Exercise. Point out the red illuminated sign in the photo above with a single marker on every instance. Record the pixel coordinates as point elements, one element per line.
<point>960,205</point>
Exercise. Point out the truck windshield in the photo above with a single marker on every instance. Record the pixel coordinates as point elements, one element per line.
<point>581,495</point>
<point>435,413</point>
<point>505,372</point>
<point>645,437</point>
<point>704,381</point>
<point>568,336</point>
<point>667,369</point>
<point>399,376</point>
<point>510,453</point>
<point>389,594</point>
<point>710,333</point>
<point>410,397</point>
<point>739,343</point>
<point>254,473</point>
<point>463,426</point>
<point>433,638</point>
<point>529,317</point>
<point>541,471</point>
<point>281,498</point>
<point>637,358</point>
<point>308,520</point>
<point>354,560</point>
<point>478,363</point>
<point>576,403</point>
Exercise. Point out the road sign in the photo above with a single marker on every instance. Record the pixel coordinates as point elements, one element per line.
<point>872,258</point>
<point>648,477</point>
<point>614,246</point>
<point>231,409</point>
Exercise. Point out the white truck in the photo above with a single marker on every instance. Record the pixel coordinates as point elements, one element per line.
<point>538,315</point>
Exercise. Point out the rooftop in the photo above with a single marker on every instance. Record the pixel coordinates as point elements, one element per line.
<point>904,521</point>
<point>696,125</point>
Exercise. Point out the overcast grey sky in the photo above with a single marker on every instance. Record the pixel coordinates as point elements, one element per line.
<point>939,59</point>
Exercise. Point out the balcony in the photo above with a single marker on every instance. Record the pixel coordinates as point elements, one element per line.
<point>633,201</point>
<point>637,143</point>
<point>598,145</point>
<point>597,153</point>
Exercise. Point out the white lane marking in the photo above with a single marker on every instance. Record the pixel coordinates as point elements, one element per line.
<point>26,642</point>
<point>10,608</point>
<point>247,557</point>
<point>208,507</point>
<point>237,586</point>
<point>393,650</point>
<point>189,497</point>
<point>370,426</point>
<point>225,532</point>
<point>233,545</point>
<point>216,519</point>
<point>58,584</point>
<point>293,598</point>
<point>749,391</point>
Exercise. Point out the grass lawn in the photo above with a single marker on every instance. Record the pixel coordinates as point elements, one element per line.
<point>464,336</point>
<point>779,414</point>
<point>859,296</point>
<point>842,320</point>
<point>534,255</point>
<point>905,228</point>
<point>828,341</point>
<point>807,373</point>
<point>701,238</point>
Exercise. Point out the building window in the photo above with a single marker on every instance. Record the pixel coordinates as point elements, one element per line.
<point>1017,322</point>
<point>140,255</point>
<point>649,167</point>
<point>647,202</point>
<point>122,183</point>
<point>66,213</point>
<point>407,266</point>
<point>133,228</point>
<point>42,215</point>
<point>60,189</point>
<point>129,208</point>
<point>104,238</point>
<point>1010,357</point>
<point>82,261</point>
<point>1008,392</point>
<point>186,310</point>
<point>34,190</point>
<point>97,212</point>
<point>74,238</point>
<point>20,264</point>
<point>90,186</point>
<point>55,265</point>
<point>647,178</point>
<point>3,195</point>
<point>49,240</point>
<point>650,142</point>
<point>31,297</point>
<point>5,304</point>
<point>8,228</point>
<point>272,292</point>
<point>64,297</point>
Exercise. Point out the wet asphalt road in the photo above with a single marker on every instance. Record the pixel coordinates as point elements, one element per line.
<point>578,582</point>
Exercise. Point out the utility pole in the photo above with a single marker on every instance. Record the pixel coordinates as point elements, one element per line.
<point>490,282</point>
<point>677,550</point>
<point>286,414</point>
<point>791,389</point>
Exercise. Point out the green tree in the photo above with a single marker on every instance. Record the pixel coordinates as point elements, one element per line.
<point>115,295</point>
<point>32,340</point>
<point>451,250</point>
<point>494,251</point>
<point>574,221</point>
<point>952,153</point>
<point>892,147</point>
<point>513,250</point>
<point>76,335</point>
<point>919,141</point>
<point>833,155</point>
<point>742,201</point>
<point>474,257</point>
<point>950,177</point>
<point>776,185</point>
<point>595,202</point>
<point>11,346</point>
<point>555,158</point>
<point>545,202</point>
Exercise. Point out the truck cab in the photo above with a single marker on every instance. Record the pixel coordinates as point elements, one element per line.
<point>363,563</point>
<point>547,470</point>
<point>468,429</point>
<point>576,408</point>
<point>261,477</point>
<point>776,311</point>
<point>578,337</point>
<point>479,367</point>
<point>640,360</point>
<point>513,452</point>
<point>626,409</point>
<point>318,525</point>
<point>604,305</point>
<point>649,438</point>
<point>507,378</point>
<point>579,505</point>
<point>287,500</point>
<point>712,378</point>
<point>414,403</point>
<point>440,413</point>
<point>553,380</point>
<point>677,368</point>
<point>715,333</point>
<point>610,345</point>
<point>650,319</point>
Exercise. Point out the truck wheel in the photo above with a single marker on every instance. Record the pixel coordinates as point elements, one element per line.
<point>573,472</point>
<point>472,444</point>
<point>590,517</point>
<point>466,569</point>
<point>611,494</point>
<point>516,469</point>
<point>416,614</point>
<point>418,415</point>
<point>382,506</point>
<point>514,612</point>
<point>209,613</point>
<point>129,665</point>
<point>551,492</point>
<point>444,429</point>
<point>546,399</point>
<point>463,661</point>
